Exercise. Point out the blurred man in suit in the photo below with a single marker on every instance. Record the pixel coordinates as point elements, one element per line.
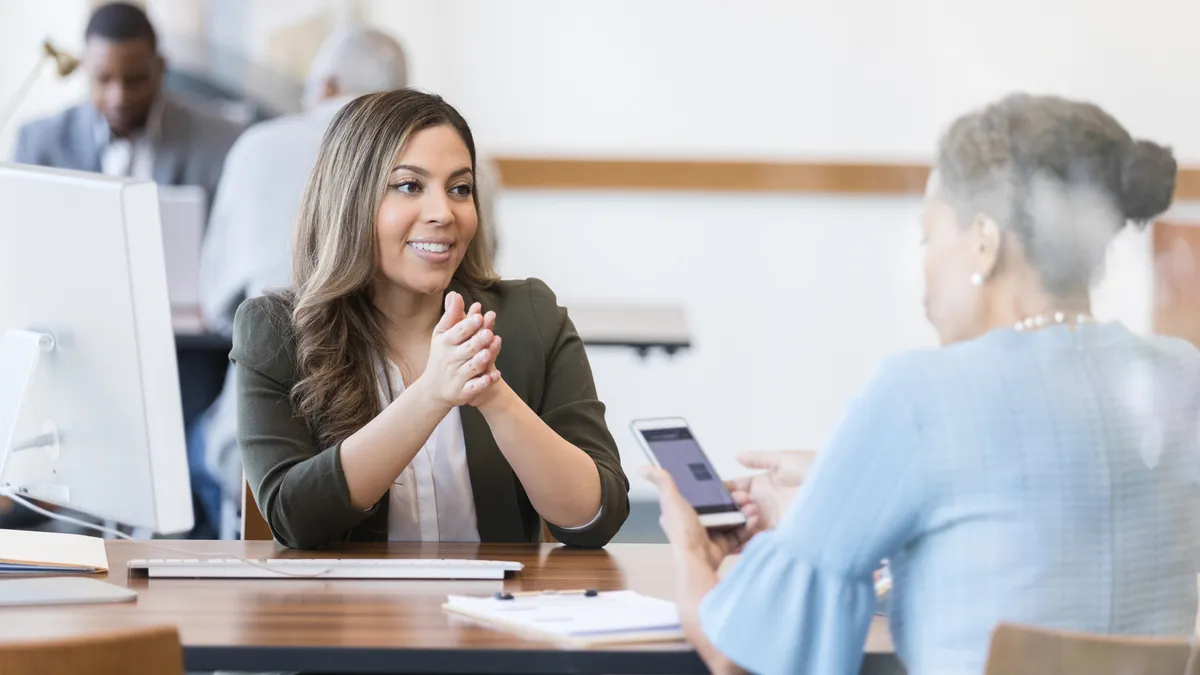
<point>129,127</point>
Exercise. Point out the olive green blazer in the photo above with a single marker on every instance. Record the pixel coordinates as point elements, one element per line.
<point>302,489</point>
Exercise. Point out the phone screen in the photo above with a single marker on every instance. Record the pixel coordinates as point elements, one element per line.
<point>678,453</point>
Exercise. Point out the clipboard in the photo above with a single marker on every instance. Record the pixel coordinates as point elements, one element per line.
<point>613,617</point>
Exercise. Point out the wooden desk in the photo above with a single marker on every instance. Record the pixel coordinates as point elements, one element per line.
<point>377,626</point>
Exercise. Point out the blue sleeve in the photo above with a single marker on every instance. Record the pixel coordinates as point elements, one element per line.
<point>23,150</point>
<point>807,588</point>
<point>225,252</point>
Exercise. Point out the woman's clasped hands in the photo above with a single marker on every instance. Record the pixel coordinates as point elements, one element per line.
<point>462,355</point>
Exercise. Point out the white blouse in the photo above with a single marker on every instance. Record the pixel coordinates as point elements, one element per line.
<point>431,500</point>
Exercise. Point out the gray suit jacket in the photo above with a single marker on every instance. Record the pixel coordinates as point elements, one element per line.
<point>190,148</point>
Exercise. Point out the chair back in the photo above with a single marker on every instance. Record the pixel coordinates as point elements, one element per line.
<point>154,651</point>
<point>1023,650</point>
<point>254,526</point>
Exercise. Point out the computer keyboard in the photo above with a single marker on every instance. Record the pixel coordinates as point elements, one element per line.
<point>321,568</point>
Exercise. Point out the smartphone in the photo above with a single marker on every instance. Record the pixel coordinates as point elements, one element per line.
<point>670,445</point>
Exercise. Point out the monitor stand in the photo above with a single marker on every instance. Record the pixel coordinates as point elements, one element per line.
<point>20,353</point>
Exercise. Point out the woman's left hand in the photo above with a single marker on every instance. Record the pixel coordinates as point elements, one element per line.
<point>682,525</point>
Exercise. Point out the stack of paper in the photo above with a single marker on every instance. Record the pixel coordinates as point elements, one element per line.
<point>618,616</point>
<point>23,552</point>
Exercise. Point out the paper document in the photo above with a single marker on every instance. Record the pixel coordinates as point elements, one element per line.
<point>26,552</point>
<point>618,616</point>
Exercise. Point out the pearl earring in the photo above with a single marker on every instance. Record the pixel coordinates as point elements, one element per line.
<point>977,279</point>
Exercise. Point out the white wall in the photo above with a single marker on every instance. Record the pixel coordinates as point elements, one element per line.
<point>852,78</point>
<point>793,299</point>
<point>792,302</point>
<point>23,26</point>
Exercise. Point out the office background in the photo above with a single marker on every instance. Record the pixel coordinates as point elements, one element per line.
<point>792,286</point>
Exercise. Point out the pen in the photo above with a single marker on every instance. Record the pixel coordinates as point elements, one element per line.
<point>586,592</point>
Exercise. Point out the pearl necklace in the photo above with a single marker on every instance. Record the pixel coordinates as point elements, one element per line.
<point>1042,320</point>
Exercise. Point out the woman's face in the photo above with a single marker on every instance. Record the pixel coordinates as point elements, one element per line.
<point>952,301</point>
<point>427,216</point>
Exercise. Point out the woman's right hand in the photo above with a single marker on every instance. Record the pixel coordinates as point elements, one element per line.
<point>461,354</point>
<point>773,489</point>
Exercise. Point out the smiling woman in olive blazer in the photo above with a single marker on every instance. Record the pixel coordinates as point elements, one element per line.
<point>371,400</point>
<point>302,489</point>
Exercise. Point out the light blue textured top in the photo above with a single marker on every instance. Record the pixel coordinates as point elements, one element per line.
<point>1044,477</point>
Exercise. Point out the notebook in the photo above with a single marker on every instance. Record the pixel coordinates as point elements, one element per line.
<point>606,618</point>
<point>26,552</point>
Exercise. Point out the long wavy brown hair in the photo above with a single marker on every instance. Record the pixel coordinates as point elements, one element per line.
<point>339,333</point>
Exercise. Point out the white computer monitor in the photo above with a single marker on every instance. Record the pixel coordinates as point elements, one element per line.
<point>183,210</point>
<point>90,414</point>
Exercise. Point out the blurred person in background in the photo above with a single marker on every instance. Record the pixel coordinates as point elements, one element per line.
<point>247,248</point>
<point>1040,467</point>
<point>130,126</point>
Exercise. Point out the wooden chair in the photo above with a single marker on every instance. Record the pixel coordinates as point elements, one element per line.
<point>1022,650</point>
<point>154,651</point>
<point>255,528</point>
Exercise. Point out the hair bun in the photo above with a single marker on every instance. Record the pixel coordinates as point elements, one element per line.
<point>1147,180</point>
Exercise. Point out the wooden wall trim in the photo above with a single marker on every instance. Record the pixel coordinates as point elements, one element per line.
<point>1187,184</point>
<point>1176,281</point>
<point>559,173</point>
<point>723,176</point>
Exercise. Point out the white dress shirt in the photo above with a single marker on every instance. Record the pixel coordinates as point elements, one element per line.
<point>132,156</point>
<point>431,500</point>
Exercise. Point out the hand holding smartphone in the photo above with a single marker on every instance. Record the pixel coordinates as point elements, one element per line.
<point>670,445</point>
